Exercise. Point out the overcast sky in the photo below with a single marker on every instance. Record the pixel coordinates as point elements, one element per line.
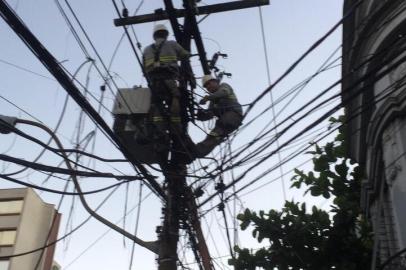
<point>291,26</point>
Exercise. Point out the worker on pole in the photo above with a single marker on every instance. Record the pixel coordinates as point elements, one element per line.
<point>223,105</point>
<point>162,69</point>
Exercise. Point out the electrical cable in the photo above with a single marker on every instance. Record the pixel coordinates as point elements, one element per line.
<point>48,60</point>
<point>5,177</point>
<point>359,81</point>
<point>104,234</point>
<point>19,108</point>
<point>42,167</point>
<point>84,202</point>
<point>303,56</point>
<point>367,18</point>
<point>72,29</point>
<point>138,166</point>
<point>97,54</point>
<point>365,21</point>
<point>345,101</point>
<point>134,14</point>
<point>299,87</point>
<point>271,96</point>
<point>136,225</point>
<point>86,140</point>
<point>55,130</point>
<point>28,137</point>
<point>110,78</point>
<point>26,70</point>
<point>52,227</point>
<point>381,96</point>
<point>329,132</point>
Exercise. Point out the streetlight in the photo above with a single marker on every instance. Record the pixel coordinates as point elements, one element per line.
<point>7,125</point>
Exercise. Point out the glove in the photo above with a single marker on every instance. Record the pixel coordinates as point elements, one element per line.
<point>204,100</point>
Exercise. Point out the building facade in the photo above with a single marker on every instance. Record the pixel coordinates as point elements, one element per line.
<point>26,224</point>
<point>374,94</point>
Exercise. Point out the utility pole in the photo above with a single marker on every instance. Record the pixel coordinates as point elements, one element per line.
<point>179,196</point>
<point>169,235</point>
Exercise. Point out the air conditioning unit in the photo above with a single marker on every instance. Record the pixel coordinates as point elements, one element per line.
<point>131,123</point>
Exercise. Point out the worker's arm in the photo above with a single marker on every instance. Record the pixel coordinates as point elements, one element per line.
<point>204,115</point>
<point>223,91</point>
<point>181,53</point>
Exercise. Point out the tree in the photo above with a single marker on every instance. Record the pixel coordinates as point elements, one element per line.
<point>315,239</point>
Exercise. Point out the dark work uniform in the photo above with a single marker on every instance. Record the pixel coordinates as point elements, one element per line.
<point>225,106</point>
<point>161,65</point>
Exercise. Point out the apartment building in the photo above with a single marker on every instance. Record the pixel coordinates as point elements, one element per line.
<point>26,224</point>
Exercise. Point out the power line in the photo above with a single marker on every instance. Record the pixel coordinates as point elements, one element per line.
<point>19,108</point>
<point>355,84</point>
<point>26,70</point>
<point>361,108</point>
<point>72,29</point>
<point>5,177</point>
<point>131,42</point>
<point>271,96</point>
<point>51,64</point>
<point>365,20</point>
<point>303,56</point>
<point>42,167</point>
<point>324,116</point>
<point>136,225</point>
<point>62,114</point>
<point>105,233</point>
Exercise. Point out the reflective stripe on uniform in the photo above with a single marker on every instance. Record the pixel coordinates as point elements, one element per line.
<point>160,119</point>
<point>162,59</point>
<point>149,62</point>
<point>175,119</point>
<point>157,119</point>
<point>214,134</point>
<point>169,58</point>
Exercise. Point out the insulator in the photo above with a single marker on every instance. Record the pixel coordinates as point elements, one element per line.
<point>125,12</point>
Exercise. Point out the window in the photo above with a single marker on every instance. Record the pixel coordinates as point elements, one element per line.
<point>4,265</point>
<point>7,237</point>
<point>11,207</point>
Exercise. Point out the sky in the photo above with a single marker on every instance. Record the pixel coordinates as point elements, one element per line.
<point>28,91</point>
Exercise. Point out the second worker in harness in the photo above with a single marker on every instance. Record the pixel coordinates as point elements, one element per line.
<point>223,105</point>
<point>161,65</point>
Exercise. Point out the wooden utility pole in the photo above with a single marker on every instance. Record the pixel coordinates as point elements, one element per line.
<point>169,236</point>
<point>179,195</point>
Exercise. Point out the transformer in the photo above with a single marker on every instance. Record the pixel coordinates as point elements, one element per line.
<point>131,123</point>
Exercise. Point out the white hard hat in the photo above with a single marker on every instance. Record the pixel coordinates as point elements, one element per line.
<point>207,78</point>
<point>160,27</point>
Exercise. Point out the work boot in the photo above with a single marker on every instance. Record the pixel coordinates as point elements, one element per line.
<point>207,145</point>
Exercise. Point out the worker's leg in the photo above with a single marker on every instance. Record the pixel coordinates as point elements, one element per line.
<point>230,121</point>
<point>159,127</point>
<point>174,106</point>
<point>159,123</point>
<point>227,123</point>
<point>158,112</point>
<point>214,138</point>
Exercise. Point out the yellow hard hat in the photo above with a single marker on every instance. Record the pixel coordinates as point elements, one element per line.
<point>207,78</point>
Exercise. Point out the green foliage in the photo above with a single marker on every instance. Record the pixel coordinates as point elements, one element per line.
<point>302,239</point>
